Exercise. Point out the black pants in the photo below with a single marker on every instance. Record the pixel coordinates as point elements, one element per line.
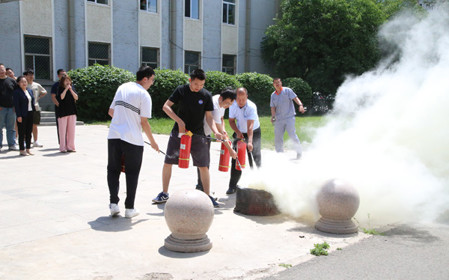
<point>25,128</point>
<point>133,162</point>
<point>256,154</point>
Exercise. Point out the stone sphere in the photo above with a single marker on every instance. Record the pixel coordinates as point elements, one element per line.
<point>189,214</point>
<point>338,202</point>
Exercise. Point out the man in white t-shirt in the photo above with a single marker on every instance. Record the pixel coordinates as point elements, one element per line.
<point>221,102</point>
<point>38,92</point>
<point>130,111</point>
<point>244,111</point>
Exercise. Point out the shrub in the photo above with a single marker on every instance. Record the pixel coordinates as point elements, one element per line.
<point>165,82</point>
<point>216,81</point>
<point>96,86</point>
<point>301,88</point>
<point>260,87</point>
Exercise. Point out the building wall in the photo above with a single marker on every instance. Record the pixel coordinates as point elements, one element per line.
<point>212,36</point>
<point>37,18</point>
<point>10,31</point>
<point>126,50</point>
<point>99,22</point>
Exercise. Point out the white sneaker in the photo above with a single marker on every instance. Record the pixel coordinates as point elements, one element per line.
<point>129,213</point>
<point>115,210</point>
<point>37,145</point>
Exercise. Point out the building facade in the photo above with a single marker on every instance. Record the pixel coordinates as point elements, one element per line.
<point>220,35</point>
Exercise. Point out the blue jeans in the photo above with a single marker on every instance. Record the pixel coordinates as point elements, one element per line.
<point>7,120</point>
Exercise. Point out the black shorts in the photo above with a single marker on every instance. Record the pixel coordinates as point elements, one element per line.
<point>37,117</point>
<point>199,150</point>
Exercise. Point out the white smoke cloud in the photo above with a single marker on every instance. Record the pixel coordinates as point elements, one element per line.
<point>388,136</point>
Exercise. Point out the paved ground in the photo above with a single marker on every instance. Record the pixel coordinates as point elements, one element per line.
<point>55,223</point>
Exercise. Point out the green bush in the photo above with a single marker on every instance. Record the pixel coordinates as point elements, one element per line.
<point>96,86</point>
<point>165,82</point>
<point>260,87</point>
<point>216,81</point>
<point>301,88</point>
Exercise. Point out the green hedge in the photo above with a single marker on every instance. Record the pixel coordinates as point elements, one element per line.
<point>96,86</point>
<point>301,88</point>
<point>260,87</point>
<point>216,81</point>
<point>165,82</point>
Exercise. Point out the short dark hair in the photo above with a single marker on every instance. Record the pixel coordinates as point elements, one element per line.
<point>144,72</point>
<point>198,74</point>
<point>7,68</point>
<point>28,72</point>
<point>277,78</point>
<point>60,70</point>
<point>228,92</point>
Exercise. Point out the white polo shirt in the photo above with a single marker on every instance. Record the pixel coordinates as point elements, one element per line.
<point>131,102</point>
<point>242,115</point>
<point>217,114</point>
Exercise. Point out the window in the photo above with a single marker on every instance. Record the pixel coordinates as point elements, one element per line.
<point>37,56</point>
<point>229,11</point>
<point>149,5</point>
<point>105,2</point>
<point>98,53</point>
<point>192,61</point>
<point>192,9</point>
<point>150,57</point>
<point>228,64</point>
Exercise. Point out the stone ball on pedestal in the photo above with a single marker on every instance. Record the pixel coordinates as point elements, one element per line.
<point>189,215</point>
<point>338,202</point>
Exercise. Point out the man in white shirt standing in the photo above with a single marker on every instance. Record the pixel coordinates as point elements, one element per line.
<point>283,116</point>
<point>130,111</point>
<point>244,111</point>
<point>38,92</point>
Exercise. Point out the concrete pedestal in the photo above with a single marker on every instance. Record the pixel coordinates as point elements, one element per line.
<point>189,215</point>
<point>338,202</point>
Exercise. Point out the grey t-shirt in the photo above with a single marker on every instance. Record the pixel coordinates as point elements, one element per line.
<point>283,103</point>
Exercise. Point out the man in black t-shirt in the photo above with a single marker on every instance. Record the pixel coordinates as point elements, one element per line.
<point>194,102</point>
<point>7,114</point>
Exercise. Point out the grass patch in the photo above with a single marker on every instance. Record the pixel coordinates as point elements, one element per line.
<point>285,265</point>
<point>320,249</point>
<point>305,127</point>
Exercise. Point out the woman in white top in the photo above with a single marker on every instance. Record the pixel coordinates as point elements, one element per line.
<point>24,105</point>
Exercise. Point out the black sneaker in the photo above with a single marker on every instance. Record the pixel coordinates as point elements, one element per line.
<point>231,190</point>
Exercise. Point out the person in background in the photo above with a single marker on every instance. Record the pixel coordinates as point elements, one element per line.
<point>66,98</point>
<point>54,93</point>
<point>38,92</point>
<point>7,115</point>
<point>244,111</point>
<point>130,110</point>
<point>10,73</point>
<point>283,116</point>
<point>24,106</point>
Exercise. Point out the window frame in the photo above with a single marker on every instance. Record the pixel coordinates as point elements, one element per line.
<point>190,9</point>
<point>98,59</point>
<point>147,63</point>
<point>147,6</point>
<point>96,2</point>
<point>34,55</point>
<point>188,68</point>
<point>227,4</point>
<point>224,68</point>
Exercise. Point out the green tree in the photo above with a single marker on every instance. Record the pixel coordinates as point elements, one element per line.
<point>321,41</point>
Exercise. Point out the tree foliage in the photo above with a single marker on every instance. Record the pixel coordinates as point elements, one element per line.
<point>321,41</point>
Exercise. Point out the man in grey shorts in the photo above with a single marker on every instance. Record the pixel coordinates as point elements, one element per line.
<point>283,116</point>
<point>195,103</point>
<point>38,92</point>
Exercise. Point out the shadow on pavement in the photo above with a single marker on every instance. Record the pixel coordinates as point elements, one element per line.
<point>114,224</point>
<point>176,255</point>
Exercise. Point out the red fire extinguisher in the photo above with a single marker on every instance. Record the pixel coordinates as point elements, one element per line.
<point>223,165</point>
<point>241,155</point>
<point>184,150</point>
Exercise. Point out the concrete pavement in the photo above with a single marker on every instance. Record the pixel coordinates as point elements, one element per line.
<point>55,221</point>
